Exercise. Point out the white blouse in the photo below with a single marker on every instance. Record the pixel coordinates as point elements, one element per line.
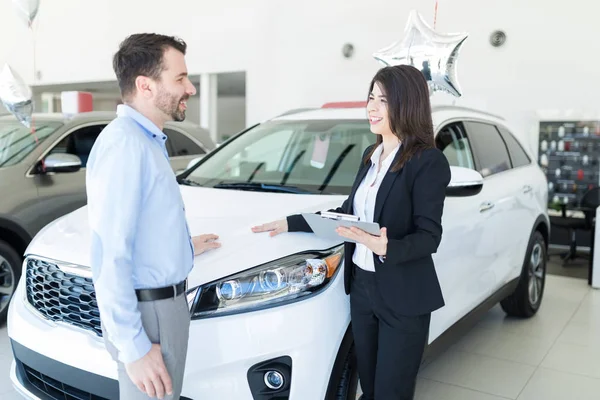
<point>364,202</point>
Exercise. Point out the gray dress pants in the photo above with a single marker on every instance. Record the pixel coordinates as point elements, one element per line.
<point>167,323</point>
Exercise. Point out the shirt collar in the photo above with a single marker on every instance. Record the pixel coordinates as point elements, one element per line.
<point>388,161</point>
<point>150,128</point>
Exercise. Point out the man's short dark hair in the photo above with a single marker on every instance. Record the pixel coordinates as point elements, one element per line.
<point>142,54</point>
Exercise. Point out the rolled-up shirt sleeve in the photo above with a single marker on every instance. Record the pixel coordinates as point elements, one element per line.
<point>115,183</point>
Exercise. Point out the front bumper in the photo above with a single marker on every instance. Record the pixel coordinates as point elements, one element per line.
<point>221,352</point>
<point>19,387</point>
<point>64,381</point>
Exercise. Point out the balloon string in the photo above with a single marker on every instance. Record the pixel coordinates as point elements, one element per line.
<point>33,132</point>
<point>33,35</point>
<point>435,14</point>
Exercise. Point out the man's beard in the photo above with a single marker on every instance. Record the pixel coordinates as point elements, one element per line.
<point>169,105</point>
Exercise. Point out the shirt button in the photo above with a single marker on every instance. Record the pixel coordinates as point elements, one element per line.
<point>153,135</point>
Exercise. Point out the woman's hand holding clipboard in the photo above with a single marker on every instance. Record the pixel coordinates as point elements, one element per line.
<point>332,225</point>
<point>377,244</point>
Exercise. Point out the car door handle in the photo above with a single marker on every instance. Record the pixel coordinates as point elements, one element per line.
<point>527,188</point>
<point>487,205</point>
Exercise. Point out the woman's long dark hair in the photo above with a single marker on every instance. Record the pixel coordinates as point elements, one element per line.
<point>409,110</point>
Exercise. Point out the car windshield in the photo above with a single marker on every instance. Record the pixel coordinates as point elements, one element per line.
<point>17,141</point>
<point>288,156</point>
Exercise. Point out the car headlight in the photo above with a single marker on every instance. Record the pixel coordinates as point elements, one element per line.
<point>269,285</point>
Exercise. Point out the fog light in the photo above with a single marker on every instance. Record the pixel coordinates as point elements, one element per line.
<point>274,380</point>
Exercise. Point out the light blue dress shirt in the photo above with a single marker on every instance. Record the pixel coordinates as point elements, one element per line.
<point>139,234</point>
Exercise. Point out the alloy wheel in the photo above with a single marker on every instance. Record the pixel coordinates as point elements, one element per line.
<point>537,267</point>
<point>7,283</point>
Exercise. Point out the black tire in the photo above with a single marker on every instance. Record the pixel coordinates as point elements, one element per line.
<point>10,273</point>
<point>343,383</point>
<point>525,301</point>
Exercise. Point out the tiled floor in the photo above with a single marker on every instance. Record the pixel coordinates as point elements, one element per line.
<point>553,356</point>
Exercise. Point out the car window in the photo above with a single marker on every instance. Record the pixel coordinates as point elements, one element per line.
<point>517,155</point>
<point>17,141</point>
<point>315,156</point>
<point>180,145</point>
<point>492,155</point>
<point>79,142</point>
<point>453,142</point>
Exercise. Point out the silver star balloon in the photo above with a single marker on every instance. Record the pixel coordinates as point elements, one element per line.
<point>16,96</point>
<point>434,54</point>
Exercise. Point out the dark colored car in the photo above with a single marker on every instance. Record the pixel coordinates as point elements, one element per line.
<point>42,176</point>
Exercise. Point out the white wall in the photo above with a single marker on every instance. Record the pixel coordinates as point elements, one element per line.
<point>75,39</point>
<point>292,50</point>
<point>548,62</point>
<point>231,114</point>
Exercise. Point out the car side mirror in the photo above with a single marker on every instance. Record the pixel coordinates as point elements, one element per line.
<point>464,182</point>
<point>62,162</point>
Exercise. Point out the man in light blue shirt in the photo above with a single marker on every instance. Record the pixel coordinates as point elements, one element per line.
<point>141,250</point>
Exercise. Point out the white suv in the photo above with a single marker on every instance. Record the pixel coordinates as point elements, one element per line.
<point>270,319</point>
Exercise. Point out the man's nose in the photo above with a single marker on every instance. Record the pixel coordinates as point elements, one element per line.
<point>191,89</point>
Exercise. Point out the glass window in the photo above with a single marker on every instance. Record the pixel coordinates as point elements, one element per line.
<point>79,143</point>
<point>180,145</point>
<point>490,148</point>
<point>17,141</point>
<point>314,156</point>
<point>517,155</point>
<point>453,142</point>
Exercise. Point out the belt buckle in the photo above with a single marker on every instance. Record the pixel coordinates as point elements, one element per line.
<point>174,291</point>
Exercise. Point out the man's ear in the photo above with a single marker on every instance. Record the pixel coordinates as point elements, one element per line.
<point>143,85</point>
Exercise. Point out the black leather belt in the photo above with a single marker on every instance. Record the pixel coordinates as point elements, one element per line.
<point>162,293</point>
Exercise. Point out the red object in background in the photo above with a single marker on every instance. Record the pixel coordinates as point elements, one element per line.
<point>580,174</point>
<point>567,146</point>
<point>76,102</point>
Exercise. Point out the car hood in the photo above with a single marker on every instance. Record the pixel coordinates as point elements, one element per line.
<point>227,213</point>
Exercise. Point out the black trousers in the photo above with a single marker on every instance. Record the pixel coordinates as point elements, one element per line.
<point>389,346</point>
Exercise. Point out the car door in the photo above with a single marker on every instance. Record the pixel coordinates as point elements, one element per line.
<point>461,257</point>
<point>61,193</point>
<point>525,211</point>
<point>501,195</point>
<point>181,148</point>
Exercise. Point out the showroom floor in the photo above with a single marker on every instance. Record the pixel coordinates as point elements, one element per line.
<point>553,356</point>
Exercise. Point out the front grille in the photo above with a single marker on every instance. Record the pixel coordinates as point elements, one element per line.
<point>60,296</point>
<point>55,389</point>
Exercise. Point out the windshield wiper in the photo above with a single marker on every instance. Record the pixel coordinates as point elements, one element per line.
<point>261,187</point>
<point>187,182</point>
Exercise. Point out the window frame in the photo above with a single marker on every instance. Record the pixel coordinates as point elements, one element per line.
<point>73,132</point>
<point>171,149</point>
<point>31,172</point>
<point>475,146</point>
<point>509,132</point>
<point>460,123</point>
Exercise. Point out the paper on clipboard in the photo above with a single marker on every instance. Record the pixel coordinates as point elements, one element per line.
<point>324,225</point>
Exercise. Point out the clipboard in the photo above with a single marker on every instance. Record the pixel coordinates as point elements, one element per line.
<point>325,225</point>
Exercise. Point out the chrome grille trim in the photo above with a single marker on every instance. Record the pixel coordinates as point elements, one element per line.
<point>60,295</point>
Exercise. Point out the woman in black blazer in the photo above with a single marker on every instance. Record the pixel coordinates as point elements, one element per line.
<point>391,278</point>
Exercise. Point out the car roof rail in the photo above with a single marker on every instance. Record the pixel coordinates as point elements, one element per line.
<point>296,111</point>
<point>443,107</point>
<point>345,104</point>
